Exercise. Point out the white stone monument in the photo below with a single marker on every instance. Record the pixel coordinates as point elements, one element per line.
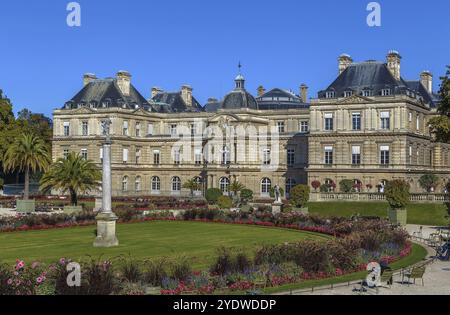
<point>277,206</point>
<point>106,219</point>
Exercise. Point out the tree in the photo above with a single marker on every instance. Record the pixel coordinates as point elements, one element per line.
<point>28,154</point>
<point>346,185</point>
<point>429,182</point>
<point>316,185</point>
<point>236,187</point>
<point>441,125</point>
<point>299,195</point>
<point>397,194</point>
<point>224,202</point>
<point>212,195</point>
<point>73,175</point>
<point>246,195</point>
<point>192,185</point>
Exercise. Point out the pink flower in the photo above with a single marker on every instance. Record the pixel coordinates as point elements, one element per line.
<point>39,280</point>
<point>10,281</point>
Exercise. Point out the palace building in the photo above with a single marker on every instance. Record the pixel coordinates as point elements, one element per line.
<point>370,126</point>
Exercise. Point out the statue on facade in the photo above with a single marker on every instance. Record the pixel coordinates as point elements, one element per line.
<point>106,128</point>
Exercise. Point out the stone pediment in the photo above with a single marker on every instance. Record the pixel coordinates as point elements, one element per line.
<point>84,110</point>
<point>355,99</point>
<point>230,119</point>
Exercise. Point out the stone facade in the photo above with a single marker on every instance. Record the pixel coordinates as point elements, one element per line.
<point>371,132</point>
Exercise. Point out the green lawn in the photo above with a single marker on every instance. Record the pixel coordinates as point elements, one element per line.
<point>198,241</point>
<point>420,214</point>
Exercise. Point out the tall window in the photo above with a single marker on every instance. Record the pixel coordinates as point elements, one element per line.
<point>125,128</point>
<point>173,130</point>
<point>385,122</point>
<point>418,123</point>
<point>226,155</point>
<point>281,127</point>
<point>138,155</point>
<point>356,121</point>
<point>224,184</point>
<point>193,130</point>
<point>84,154</point>
<point>125,183</point>
<point>384,155</point>
<point>137,184</point>
<point>156,157</point>
<point>329,122</point>
<point>177,156</point>
<point>266,186</point>
<point>328,155</point>
<point>304,126</point>
<point>101,154</point>
<point>291,157</point>
<point>356,155</point>
<point>138,129</point>
<point>266,157</point>
<point>66,153</point>
<point>290,183</point>
<point>125,155</point>
<point>67,129</point>
<point>156,184</point>
<point>198,157</point>
<point>84,128</point>
<point>176,184</point>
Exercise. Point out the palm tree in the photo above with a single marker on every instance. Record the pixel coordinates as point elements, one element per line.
<point>28,154</point>
<point>73,174</point>
<point>236,187</point>
<point>192,185</point>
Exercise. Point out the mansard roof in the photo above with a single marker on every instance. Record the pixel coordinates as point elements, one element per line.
<point>106,93</point>
<point>375,76</point>
<point>173,102</point>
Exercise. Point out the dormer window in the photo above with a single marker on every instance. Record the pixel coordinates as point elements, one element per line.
<point>93,104</point>
<point>348,93</point>
<point>366,93</point>
<point>330,94</point>
<point>385,92</point>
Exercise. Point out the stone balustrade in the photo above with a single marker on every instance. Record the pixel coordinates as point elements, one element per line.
<point>375,197</point>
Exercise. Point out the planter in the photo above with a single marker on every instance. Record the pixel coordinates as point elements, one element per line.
<point>72,209</point>
<point>398,216</point>
<point>26,206</point>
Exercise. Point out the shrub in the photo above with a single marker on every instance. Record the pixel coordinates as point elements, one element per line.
<point>346,185</point>
<point>300,195</point>
<point>229,261</point>
<point>212,195</point>
<point>397,194</point>
<point>246,195</point>
<point>130,270</point>
<point>224,202</point>
<point>155,271</point>
<point>429,182</point>
<point>316,185</point>
<point>180,269</point>
<point>100,278</point>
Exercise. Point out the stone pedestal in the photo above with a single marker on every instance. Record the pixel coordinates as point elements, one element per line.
<point>106,230</point>
<point>277,208</point>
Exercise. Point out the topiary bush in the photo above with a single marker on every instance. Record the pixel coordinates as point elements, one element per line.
<point>224,202</point>
<point>212,195</point>
<point>397,194</point>
<point>346,185</point>
<point>299,195</point>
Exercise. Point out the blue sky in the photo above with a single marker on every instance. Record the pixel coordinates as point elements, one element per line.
<point>168,43</point>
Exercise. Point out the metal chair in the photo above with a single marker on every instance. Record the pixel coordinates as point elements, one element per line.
<point>414,274</point>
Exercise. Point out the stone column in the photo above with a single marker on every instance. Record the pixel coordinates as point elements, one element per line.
<point>106,219</point>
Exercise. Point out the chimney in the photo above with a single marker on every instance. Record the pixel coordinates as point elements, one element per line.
<point>156,91</point>
<point>426,78</point>
<point>393,63</point>
<point>261,91</point>
<point>186,94</point>
<point>212,100</point>
<point>124,82</point>
<point>88,78</point>
<point>304,93</point>
<point>344,62</point>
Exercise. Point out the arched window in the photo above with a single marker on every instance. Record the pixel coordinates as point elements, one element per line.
<point>156,184</point>
<point>266,186</point>
<point>290,183</point>
<point>176,184</point>
<point>224,185</point>
<point>125,183</point>
<point>137,184</point>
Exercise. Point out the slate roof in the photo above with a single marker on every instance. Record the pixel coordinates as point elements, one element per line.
<point>106,91</point>
<point>172,102</point>
<point>239,99</point>
<point>212,106</point>
<point>374,76</point>
<point>279,99</point>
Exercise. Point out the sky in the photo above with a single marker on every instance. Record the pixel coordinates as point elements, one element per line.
<point>168,43</point>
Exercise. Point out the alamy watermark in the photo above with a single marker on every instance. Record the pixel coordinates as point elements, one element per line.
<point>74,16</point>
<point>374,17</point>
